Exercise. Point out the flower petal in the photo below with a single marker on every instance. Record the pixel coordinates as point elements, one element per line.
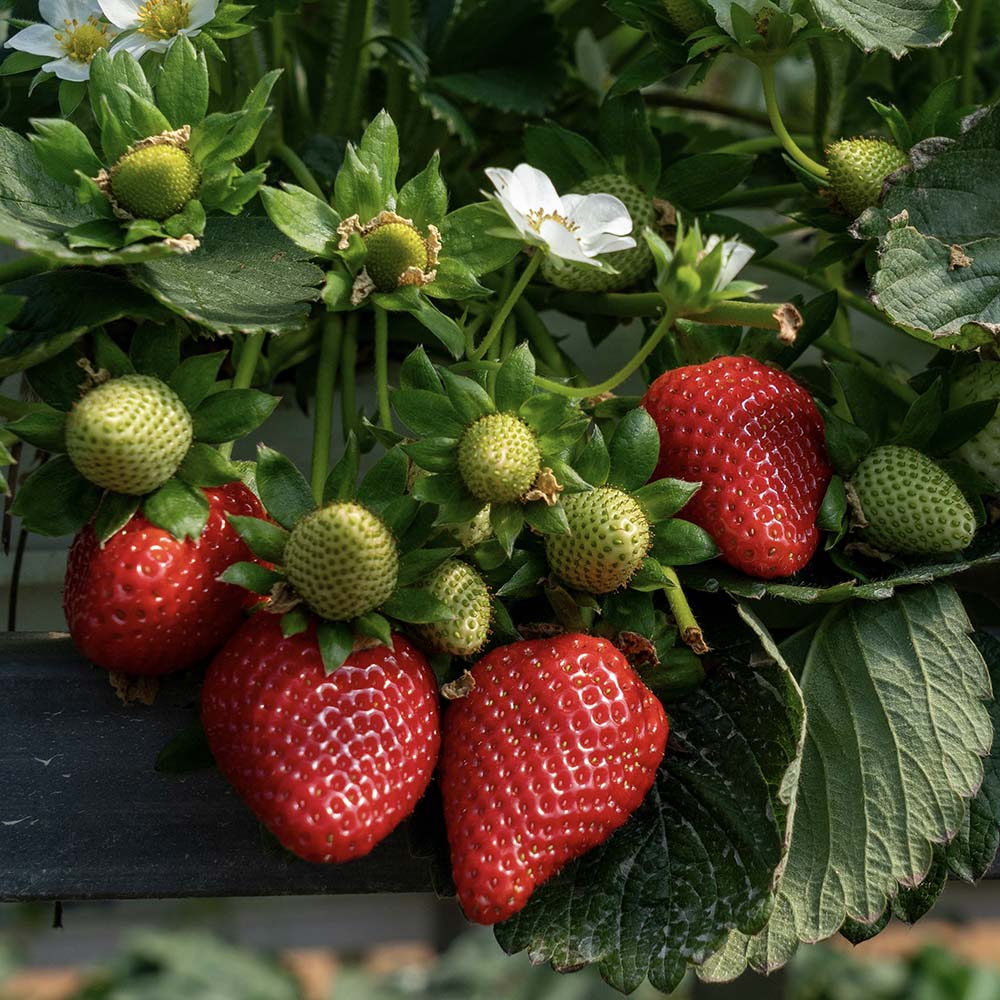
<point>599,213</point>
<point>606,243</point>
<point>202,11</point>
<point>38,39</point>
<point>55,12</point>
<point>138,45</point>
<point>68,69</point>
<point>562,243</point>
<point>735,257</point>
<point>532,191</point>
<point>121,13</point>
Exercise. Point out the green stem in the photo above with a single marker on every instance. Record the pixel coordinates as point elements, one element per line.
<point>774,113</point>
<point>830,345</point>
<point>382,367</point>
<point>585,392</point>
<point>973,18</point>
<point>347,78</point>
<point>348,363</point>
<point>299,170</point>
<point>684,102</point>
<point>504,311</point>
<point>761,144</point>
<point>326,385</point>
<point>243,379</point>
<point>542,342</point>
<point>687,624</point>
<point>22,267</point>
<point>766,194</point>
<point>757,314</point>
<point>609,303</point>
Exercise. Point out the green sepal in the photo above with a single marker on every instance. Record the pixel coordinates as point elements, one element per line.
<point>178,508</point>
<point>194,378</point>
<point>108,355</point>
<point>428,414</point>
<point>231,414</point>
<point>960,424</point>
<point>545,519</point>
<point>265,540</point>
<point>424,198</point>
<point>832,515</point>
<point>383,435</point>
<point>664,498</point>
<point>203,465</point>
<point>116,510</point>
<point>562,438</point>
<point>45,429</point>
<point>515,382</point>
<point>440,488</point>
<point>649,576</point>
<point>680,543</point>
<point>155,350</point>
<point>385,481</point>
<point>506,520</point>
<point>458,509</point>
<point>58,380</point>
<point>182,84</point>
<point>470,400</point>
<point>341,482</point>
<point>434,454</point>
<point>416,607</point>
<point>593,462</point>
<point>62,149</point>
<point>251,576</point>
<point>417,372</point>
<point>524,581</point>
<point>923,417</point>
<point>336,642</point>
<point>282,489</point>
<point>544,412</point>
<point>375,626</point>
<point>408,298</point>
<point>399,515</point>
<point>189,220</point>
<point>294,622</point>
<point>55,499</point>
<point>416,565</point>
<point>305,219</point>
<point>567,476</point>
<point>846,443</point>
<point>634,450</point>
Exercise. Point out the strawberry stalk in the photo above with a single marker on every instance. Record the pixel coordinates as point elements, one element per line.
<point>302,174</point>
<point>504,311</point>
<point>348,361</point>
<point>687,624</point>
<point>781,131</point>
<point>382,367</point>
<point>326,384</point>
<point>246,366</point>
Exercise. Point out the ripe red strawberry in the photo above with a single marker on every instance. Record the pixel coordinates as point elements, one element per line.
<point>146,603</point>
<point>754,439</point>
<point>553,749</point>
<point>330,764</point>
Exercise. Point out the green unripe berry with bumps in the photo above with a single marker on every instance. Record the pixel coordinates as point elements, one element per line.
<point>982,451</point>
<point>631,265</point>
<point>342,561</point>
<point>911,505</point>
<point>609,536</point>
<point>498,458</point>
<point>129,434</point>
<point>475,531</point>
<point>687,15</point>
<point>154,181</point>
<point>392,248</point>
<point>858,169</point>
<point>462,590</point>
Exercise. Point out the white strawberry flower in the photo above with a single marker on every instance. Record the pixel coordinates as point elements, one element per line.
<point>152,26</point>
<point>735,256</point>
<point>571,227</point>
<point>72,33</point>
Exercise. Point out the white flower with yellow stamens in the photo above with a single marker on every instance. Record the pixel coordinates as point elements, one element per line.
<point>571,227</point>
<point>153,25</point>
<point>73,33</point>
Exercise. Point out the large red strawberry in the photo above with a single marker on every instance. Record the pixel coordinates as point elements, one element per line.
<point>553,749</point>
<point>330,764</point>
<point>147,603</point>
<point>754,439</point>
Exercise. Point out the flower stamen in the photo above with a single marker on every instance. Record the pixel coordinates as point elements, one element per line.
<point>162,19</point>
<point>81,42</point>
<point>538,215</point>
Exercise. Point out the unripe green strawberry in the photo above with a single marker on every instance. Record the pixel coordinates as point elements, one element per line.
<point>392,248</point>
<point>981,452</point>
<point>858,168</point>
<point>462,590</point>
<point>342,561</point>
<point>129,434</point>
<point>498,458</point>
<point>154,181</point>
<point>608,540</point>
<point>687,15</point>
<point>475,531</point>
<point>631,265</point>
<point>911,505</point>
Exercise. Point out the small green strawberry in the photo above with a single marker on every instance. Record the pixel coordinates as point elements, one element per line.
<point>462,590</point>
<point>981,452</point>
<point>154,180</point>
<point>631,265</point>
<point>129,434</point>
<point>342,561</point>
<point>609,536</point>
<point>498,458</point>
<point>911,505</point>
<point>858,169</point>
<point>393,248</point>
<point>687,15</point>
<point>475,531</point>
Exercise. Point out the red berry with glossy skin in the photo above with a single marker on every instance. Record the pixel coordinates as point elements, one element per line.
<point>553,749</point>
<point>755,440</point>
<point>330,764</point>
<point>148,604</point>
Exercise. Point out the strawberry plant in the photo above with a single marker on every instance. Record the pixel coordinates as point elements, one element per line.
<point>640,362</point>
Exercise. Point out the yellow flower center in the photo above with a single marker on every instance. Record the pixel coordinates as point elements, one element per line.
<point>81,42</point>
<point>163,18</point>
<point>536,217</point>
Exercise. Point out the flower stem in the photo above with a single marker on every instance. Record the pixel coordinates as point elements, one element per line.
<point>774,114</point>
<point>585,392</point>
<point>609,303</point>
<point>504,311</point>
<point>687,624</point>
<point>326,384</point>
<point>542,342</point>
<point>299,170</point>
<point>762,315</point>
<point>348,362</point>
<point>249,355</point>
<point>382,367</point>
<point>22,267</point>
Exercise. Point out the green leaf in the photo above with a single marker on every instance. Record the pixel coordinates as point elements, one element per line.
<point>468,234</point>
<point>696,182</point>
<point>182,84</point>
<point>435,454</point>
<point>62,149</point>
<point>459,509</point>
<point>515,380</point>
<point>566,157</point>
<point>45,429</point>
<point>55,499</point>
<point>178,508</point>
<point>426,413</point>
<point>865,398</point>
<point>336,641</point>
<point>888,24</point>
<point>680,543</point>
<point>545,519</point>
<point>188,751</point>
<point>470,400</point>
<point>375,626</point>
<point>416,606</point>
<point>960,424</point>
<point>109,78</point>
<point>699,856</point>
<point>282,489</point>
<point>424,198</point>
<point>385,481</point>
<point>358,188</point>
<point>341,483</point>
<point>294,622</point>
<point>923,417</point>
<point>665,497</point>
<point>265,540</point>
<point>409,299</point>
<point>305,219</point>
<point>194,377</point>
<point>155,350</point>
<point>913,903</point>
<point>594,461</point>
<point>415,566</point>
<point>442,488</point>
<point>506,520</point>
<point>846,442</point>
<point>203,465</point>
<point>71,94</point>
<point>634,450</point>
<point>109,356</point>
<point>379,148</point>
<point>115,512</point>
<point>627,138</point>
<point>245,278</point>
<point>251,576</point>
<point>417,372</point>
<point>231,414</point>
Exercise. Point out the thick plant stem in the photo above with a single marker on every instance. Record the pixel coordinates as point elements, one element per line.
<point>587,391</point>
<point>609,303</point>
<point>326,385</point>
<point>687,625</point>
<point>22,267</point>
<point>774,114</point>
<point>348,362</point>
<point>761,144</point>
<point>972,11</point>
<point>348,80</point>
<point>762,315</point>
<point>299,170</point>
<point>504,311</point>
<point>542,342</point>
<point>382,368</point>
<point>243,379</point>
<point>830,345</point>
